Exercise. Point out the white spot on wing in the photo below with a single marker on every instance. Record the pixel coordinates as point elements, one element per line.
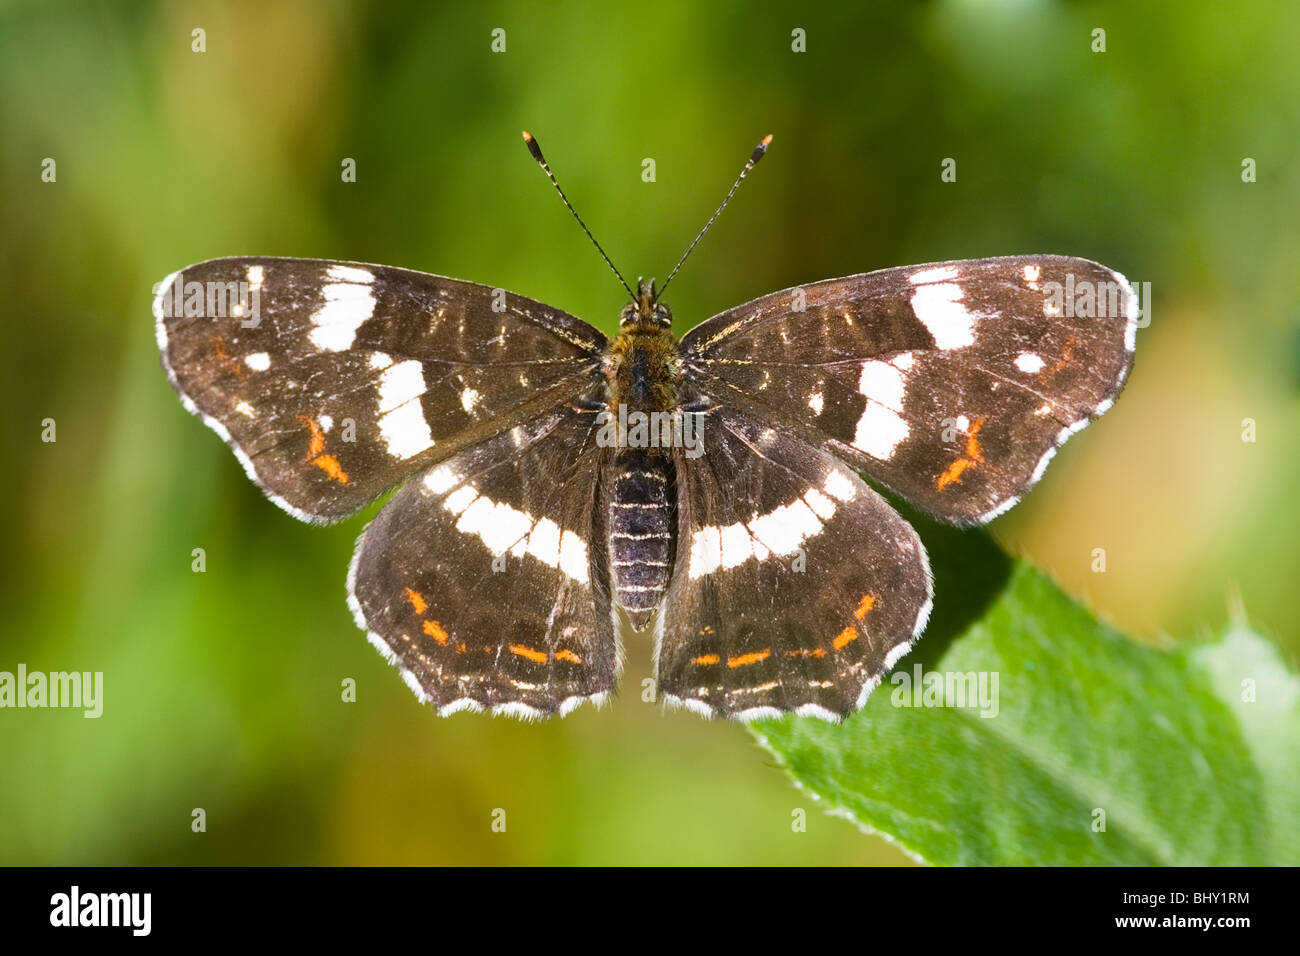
<point>469,399</point>
<point>544,542</point>
<point>838,485</point>
<point>822,506</point>
<point>937,274</point>
<point>1030,363</point>
<point>573,556</point>
<point>405,432</point>
<point>498,525</point>
<point>441,480</point>
<point>503,528</point>
<point>258,361</point>
<point>706,551</point>
<point>939,309</point>
<point>879,432</point>
<point>784,529</point>
<point>400,384</point>
<point>401,418</point>
<point>350,274</point>
<point>881,427</point>
<point>347,306</point>
<point>737,546</point>
<point>883,384</point>
<point>815,402</point>
<point>459,499</point>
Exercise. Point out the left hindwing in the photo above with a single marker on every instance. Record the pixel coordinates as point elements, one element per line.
<point>486,579</point>
<point>951,383</point>
<point>795,586</point>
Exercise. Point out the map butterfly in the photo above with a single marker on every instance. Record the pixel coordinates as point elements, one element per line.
<point>530,516</point>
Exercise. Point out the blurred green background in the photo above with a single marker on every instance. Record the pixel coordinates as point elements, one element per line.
<point>222,689</point>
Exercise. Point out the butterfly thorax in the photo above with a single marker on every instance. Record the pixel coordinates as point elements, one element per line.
<point>642,367</point>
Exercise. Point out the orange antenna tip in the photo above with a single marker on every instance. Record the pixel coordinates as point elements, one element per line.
<point>533,147</point>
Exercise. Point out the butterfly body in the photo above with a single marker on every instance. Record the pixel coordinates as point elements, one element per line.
<point>643,369</point>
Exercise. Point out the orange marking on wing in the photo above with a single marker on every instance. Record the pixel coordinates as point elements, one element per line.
<point>226,362</point>
<point>868,602</point>
<point>1067,354</point>
<point>845,637</point>
<point>435,631</point>
<point>742,659</point>
<point>806,652</point>
<point>953,473</point>
<point>520,650</point>
<point>706,659</point>
<point>317,444</point>
<point>567,655</point>
<point>315,452</point>
<point>974,455</point>
<point>973,450</point>
<point>417,600</point>
<point>460,648</point>
<point>330,465</point>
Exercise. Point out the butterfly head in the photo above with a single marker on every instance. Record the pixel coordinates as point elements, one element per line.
<point>647,309</point>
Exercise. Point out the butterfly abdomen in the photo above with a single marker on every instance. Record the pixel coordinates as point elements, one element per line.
<point>641,526</point>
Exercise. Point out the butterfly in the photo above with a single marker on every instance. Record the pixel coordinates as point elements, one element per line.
<point>552,482</point>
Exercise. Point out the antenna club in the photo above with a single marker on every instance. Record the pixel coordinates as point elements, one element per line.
<point>533,147</point>
<point>760,149</point>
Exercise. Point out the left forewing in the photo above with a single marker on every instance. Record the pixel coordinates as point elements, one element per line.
<point>334,381</point>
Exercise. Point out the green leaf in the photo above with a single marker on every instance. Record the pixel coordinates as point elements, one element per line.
<point>1191,755</point>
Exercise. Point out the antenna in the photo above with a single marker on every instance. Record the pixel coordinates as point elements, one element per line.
<point>536,150</point>
<point>759,150</point>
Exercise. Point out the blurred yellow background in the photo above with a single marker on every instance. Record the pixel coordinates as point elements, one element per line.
<point>222,689</point>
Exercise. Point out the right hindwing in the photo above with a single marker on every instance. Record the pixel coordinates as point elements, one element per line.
<point>796,586</point>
